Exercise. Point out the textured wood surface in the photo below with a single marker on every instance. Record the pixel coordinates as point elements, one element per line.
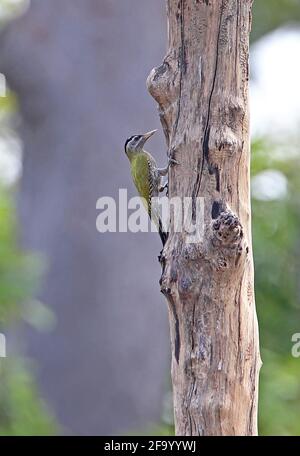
<point>202,92</point>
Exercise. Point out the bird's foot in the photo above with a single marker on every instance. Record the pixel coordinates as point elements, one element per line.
<point>171,158</point>
<point>164,187</point>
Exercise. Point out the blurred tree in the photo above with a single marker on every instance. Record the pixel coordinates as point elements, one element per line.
<point>79,74</point>
<point>17,270</point>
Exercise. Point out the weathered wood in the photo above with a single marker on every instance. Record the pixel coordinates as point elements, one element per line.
<point>202,92</point>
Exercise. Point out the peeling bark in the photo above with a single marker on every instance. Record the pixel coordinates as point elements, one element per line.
<point>202,92</point>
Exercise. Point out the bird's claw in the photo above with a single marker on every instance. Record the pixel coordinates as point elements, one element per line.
<point>172,161</point>
<point>171,158</point>
<point>164,187</point>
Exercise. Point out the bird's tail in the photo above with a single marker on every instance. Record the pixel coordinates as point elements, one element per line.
<point>162,233</point>
<point>157,220</point>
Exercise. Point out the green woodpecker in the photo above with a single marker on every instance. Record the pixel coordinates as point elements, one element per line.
<point>147,177</point>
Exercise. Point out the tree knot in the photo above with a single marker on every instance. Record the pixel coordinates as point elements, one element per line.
<point>163,83</point>
<point>227,230</point>
<point>228,241</point>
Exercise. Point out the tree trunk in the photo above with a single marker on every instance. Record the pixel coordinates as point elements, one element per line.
<point>202,92</point>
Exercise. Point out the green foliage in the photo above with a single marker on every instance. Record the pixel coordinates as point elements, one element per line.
<point>19,272</point>
<point>279,394</point>
<point>276,225</point>
<point>22,412</point>
<point>10,9</point>
<point>271,14</point>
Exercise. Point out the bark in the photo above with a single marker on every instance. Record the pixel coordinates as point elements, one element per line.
<point>202,92</point>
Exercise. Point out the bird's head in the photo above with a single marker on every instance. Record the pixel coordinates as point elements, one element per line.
<point>135,144</point>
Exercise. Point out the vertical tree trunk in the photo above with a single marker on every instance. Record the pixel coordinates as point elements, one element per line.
<point>202,92</point>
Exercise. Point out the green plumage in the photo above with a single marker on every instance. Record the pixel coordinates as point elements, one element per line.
<point>146,177</point>
<point>142,170</point>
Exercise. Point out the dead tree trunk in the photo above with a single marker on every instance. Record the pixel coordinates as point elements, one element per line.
<point>202,92</point>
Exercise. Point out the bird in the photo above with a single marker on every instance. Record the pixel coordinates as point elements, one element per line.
<point>147,177</point>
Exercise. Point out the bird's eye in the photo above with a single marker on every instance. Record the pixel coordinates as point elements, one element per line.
<point>132,141</point>
<point>128,141</point>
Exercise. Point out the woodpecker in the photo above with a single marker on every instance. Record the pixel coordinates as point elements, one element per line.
<point>147,177</point>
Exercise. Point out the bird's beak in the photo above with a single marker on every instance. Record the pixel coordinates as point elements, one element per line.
<point>146,136</point>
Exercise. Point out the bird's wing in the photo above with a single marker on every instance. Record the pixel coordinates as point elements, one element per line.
<point>142,169</point>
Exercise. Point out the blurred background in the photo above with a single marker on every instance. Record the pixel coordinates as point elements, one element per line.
<point>86,328</point>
